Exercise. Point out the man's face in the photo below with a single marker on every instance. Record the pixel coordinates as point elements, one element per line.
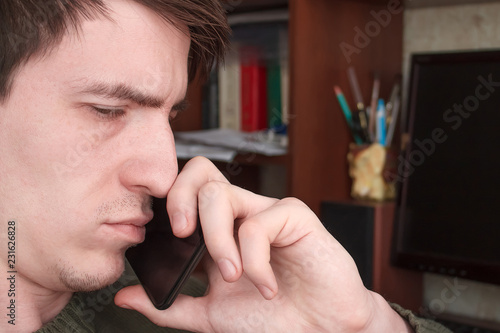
<point>85,141</point>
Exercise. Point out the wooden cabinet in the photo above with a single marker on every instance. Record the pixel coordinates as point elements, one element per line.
<point>319,33</point>
<point>365,230</point>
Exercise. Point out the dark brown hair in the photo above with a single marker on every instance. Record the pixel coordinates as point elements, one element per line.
<point>34,27</point>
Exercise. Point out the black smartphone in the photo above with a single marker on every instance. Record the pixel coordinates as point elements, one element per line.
<point>163,262</point>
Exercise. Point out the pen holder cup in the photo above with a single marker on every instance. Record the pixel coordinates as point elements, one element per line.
<point>370,167</point>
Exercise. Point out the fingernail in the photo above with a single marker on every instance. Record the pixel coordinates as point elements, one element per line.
<point>125,306</point>
<point>226,268</point>
<point>179,222</point>
<point>265,291</point>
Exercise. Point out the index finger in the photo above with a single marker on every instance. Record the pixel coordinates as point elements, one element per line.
<point>182,199</point>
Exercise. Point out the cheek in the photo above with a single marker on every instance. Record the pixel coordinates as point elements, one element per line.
<point>31,189</point>
<point>44,171</point>
<point>25,145</point>
<point>81,150</point>
<point>42,152</point>
<point>46,140</point>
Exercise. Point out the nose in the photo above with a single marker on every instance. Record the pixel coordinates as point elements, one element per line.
<point>151,166</point>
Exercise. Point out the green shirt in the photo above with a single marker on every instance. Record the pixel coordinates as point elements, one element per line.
<point>96,312</point>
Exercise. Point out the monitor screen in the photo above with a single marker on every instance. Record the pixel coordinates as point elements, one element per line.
<point>448,204</point>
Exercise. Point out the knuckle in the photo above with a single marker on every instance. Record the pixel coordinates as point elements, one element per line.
<point>211,190</point>
<point>203,163</point>
<point>294,202</point>
<point>199,160</point>
<point>250,230</point>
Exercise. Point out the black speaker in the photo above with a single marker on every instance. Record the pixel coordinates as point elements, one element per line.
<point>352,225</point>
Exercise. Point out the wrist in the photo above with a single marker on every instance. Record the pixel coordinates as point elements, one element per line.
<point>384,319</point>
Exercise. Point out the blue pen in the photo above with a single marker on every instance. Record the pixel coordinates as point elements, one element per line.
<point>381,130</point>
<point>347,113</point>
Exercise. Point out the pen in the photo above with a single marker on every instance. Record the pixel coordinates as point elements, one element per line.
<point>363,123</point>
<point>362,120</point>
<point>373,107</point>
<point>381,122</point>
<point>394,117</point>
<point>390,103</point>
<point>347,113</point>
<point>355,88</point>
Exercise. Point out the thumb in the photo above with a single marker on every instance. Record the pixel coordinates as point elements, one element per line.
<point>186,313</point>
<point>132,297</point>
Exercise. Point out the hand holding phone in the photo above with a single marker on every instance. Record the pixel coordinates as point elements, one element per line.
<point>163,262</point>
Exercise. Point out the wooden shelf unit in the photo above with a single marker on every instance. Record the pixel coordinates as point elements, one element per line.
<point>316,164</point>
<point>366,231</point>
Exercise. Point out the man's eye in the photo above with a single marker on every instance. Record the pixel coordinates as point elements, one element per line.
<point>108,113</point>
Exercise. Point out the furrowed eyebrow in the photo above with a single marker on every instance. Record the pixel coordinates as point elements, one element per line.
<point>123,92</point>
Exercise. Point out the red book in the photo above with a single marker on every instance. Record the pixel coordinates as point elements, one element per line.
<point>253,95</point>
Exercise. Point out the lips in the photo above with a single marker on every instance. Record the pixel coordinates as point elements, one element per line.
<point>133,231</point>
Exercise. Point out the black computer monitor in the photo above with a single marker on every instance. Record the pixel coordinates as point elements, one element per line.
<point>448,199</point>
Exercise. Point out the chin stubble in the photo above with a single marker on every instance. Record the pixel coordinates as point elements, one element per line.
<point>84,281</point>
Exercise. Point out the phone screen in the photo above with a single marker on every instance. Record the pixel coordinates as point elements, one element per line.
<point>164,262</point>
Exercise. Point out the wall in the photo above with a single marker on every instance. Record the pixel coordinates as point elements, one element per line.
<point>448,295</point>
<point>456,27</point>
<point>472,26</point>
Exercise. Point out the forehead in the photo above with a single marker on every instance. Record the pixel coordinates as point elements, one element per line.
<point>134,46</point>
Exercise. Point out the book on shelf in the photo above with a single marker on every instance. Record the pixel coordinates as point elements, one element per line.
<point>274,64</point>
<point>229,91</point>
<point>253,90</point>
<point>274,105</point>
<point>284,74</point>
<point>210,102</point>
<point>249,92</point>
